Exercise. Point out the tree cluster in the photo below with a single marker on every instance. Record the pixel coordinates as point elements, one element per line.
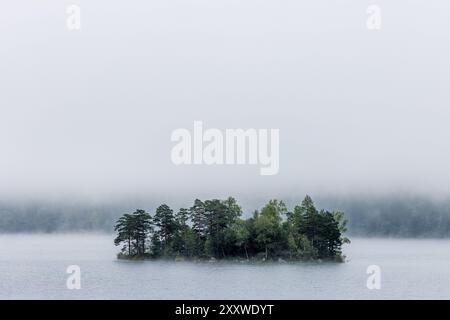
<point>215,229</point>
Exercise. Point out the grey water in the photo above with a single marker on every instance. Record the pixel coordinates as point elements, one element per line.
<point>34,267</point>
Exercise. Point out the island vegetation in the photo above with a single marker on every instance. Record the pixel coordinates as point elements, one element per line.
<point>215,229</point>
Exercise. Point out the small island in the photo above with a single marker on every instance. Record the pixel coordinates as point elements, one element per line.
<point>214,229</point>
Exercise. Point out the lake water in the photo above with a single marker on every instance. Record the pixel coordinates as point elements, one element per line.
<point>34,267</point>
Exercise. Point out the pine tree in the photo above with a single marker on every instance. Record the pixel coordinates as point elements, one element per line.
<point>133,230</point>
<point>310,220</point>
<point>199,219</point>
<point>165,222</point>
<point>183,232</point>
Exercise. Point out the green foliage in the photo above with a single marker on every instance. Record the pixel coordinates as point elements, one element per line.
<point>214,229</point>
<point>165,224</point>
<point>133,230</point>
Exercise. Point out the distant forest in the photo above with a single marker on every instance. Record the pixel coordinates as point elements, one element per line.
<point>393,216</point>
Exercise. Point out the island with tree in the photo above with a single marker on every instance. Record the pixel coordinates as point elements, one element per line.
<point>214,229</point>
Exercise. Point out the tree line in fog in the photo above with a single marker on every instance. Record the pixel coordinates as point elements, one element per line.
<point>215,229</point>
<point>393,216</point>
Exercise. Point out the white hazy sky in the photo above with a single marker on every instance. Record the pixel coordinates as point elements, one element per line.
<point>91,111</point>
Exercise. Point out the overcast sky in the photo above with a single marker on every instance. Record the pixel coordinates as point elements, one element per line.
<point>90,112</point>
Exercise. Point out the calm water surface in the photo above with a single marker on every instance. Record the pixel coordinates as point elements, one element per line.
<point>34,267</point>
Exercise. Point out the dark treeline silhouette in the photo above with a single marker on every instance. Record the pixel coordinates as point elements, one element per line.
<point>377,216</point>
<point>48,217</point>
<point>396,216</point>
<point>215,229</point>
